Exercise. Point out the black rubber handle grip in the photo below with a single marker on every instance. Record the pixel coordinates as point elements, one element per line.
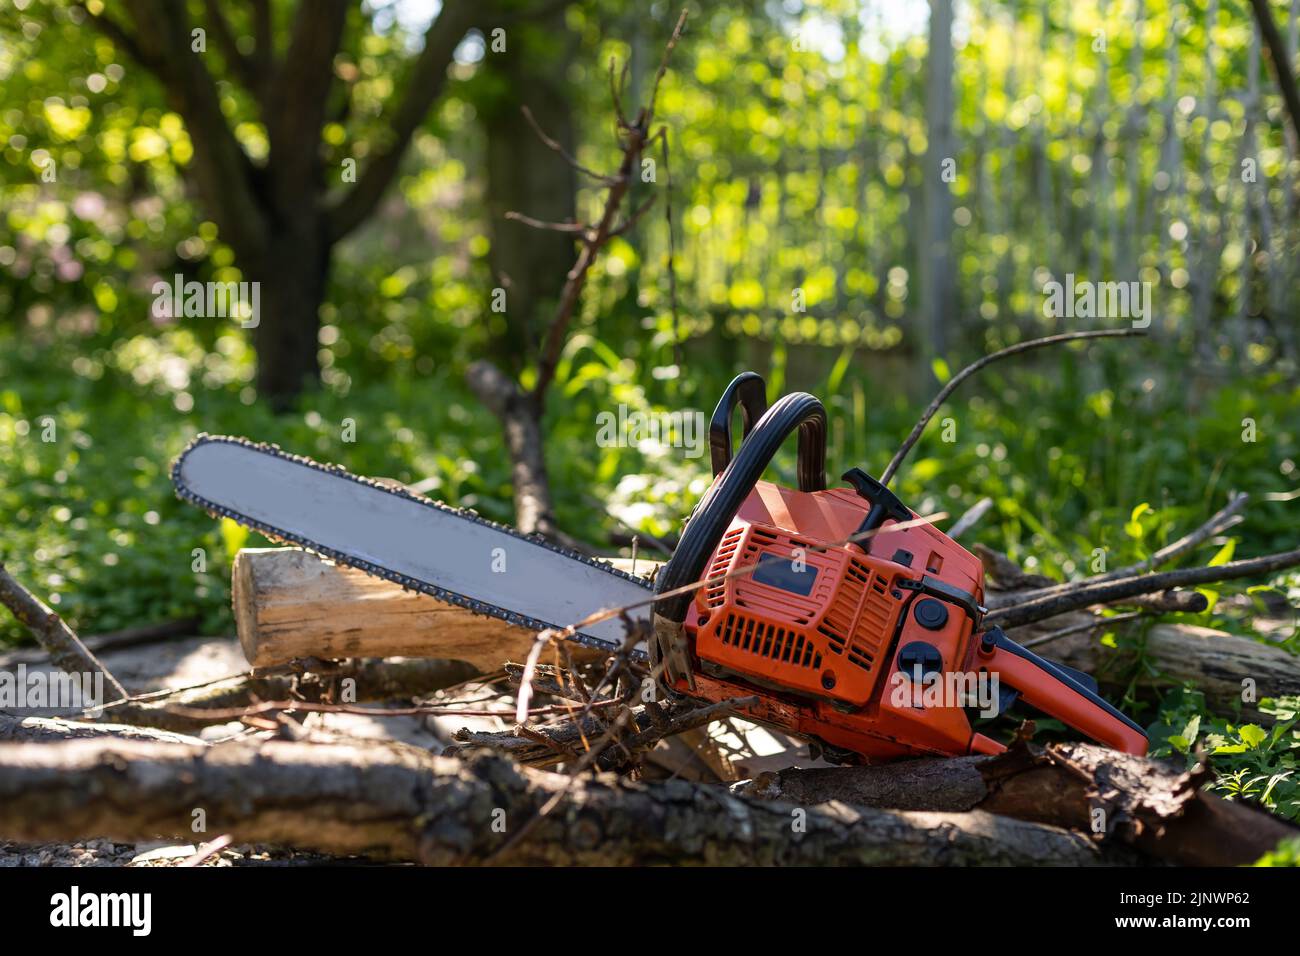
<point>748,389</point>
<point>721,502</point>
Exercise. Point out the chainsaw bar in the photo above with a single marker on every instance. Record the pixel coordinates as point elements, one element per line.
<point>422,545</point>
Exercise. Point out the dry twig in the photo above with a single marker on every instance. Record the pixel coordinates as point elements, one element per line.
<point>974,367</point>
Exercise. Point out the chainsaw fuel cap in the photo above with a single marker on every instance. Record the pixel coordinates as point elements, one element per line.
<point>930,614</point>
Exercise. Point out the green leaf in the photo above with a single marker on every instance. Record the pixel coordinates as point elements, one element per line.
<point>1230,749</point>
<point>941,370</point>
<point>1133,527</point>
<point>1253,735</point>
<point>1224,554</point>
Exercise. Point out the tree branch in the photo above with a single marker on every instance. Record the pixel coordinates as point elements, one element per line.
<point>1105,592</point>
<point>1143,803</point>
<point>60,641</point>
<point>298,100</point>
<point>220,169</point>
<point>1224,518</point>
<point>1277,55</point>
<point>636,138</point>
<point>264,51</point>
<point>241,66</point>
<point>119,37</point>
<point>424,87</point>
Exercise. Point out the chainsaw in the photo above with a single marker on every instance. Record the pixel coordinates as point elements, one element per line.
<point>851,621</point>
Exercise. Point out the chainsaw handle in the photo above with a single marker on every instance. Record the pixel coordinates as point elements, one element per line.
<point>714,513</point>
<point>748,389</point>
<point>1053,691</point>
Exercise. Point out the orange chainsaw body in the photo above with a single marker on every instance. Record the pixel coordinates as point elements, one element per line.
<point>850,621</point>
<point>825,663</point>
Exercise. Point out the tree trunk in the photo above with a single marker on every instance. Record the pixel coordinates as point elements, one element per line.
<point>524,175</point>
<point>293,279</point>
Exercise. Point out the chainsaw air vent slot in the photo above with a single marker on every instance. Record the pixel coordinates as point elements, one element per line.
<point>716,595</point>
<point>769,641</point>
<point>859,621</point>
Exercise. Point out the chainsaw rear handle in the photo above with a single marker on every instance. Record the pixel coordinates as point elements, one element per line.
<point>714,514</point>
<point>748,389</point>
<point>1053,691</point>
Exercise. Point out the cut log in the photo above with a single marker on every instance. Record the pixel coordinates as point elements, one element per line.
<point>292,604</point>
<point>402,803</point>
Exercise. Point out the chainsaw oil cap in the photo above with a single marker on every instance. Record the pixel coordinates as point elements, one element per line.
<point>930,614</point>
<point>919,657</point>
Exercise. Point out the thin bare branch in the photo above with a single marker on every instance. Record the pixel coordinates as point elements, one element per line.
<point>426,83</point>
<point>550,143</point>
<point>1084,627</point>
<point>1111,591</point>
<point>569,228</point>
<point>672,248</point>
<point>630,223</point>
<point>971,518</point>
<point>59,640</point>
<point>243,67</point>
<point>974,367</point>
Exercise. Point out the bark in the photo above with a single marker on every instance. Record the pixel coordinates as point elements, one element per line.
<point>293,275</point>
<point>54,729</point>
<point>1143,803</point>
<point>398,802</point>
